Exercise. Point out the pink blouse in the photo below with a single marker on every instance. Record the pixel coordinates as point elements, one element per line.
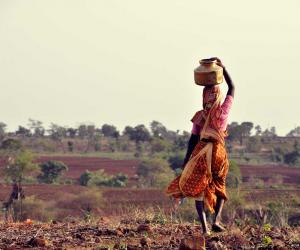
<point>226,106</point>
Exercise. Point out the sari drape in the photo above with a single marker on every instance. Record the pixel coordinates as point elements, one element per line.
<point>204,175</point>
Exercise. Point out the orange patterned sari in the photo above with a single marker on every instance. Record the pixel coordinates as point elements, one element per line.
<point>203,177</point>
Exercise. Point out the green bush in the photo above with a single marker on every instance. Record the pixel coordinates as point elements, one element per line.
<point>100,178</point>
<point>234,177</point>
<point>159,145</point>
<point>155,173</point>
<point>51,171</point>
<point>176,160</point>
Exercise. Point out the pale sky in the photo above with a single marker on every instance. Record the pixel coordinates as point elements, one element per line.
<point>130,62</point>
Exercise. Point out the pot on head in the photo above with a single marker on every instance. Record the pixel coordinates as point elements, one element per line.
<point>208,73</point>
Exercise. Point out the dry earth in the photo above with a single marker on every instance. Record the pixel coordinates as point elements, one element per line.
<point>124,234</point>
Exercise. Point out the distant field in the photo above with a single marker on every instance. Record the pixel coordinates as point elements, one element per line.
<point>290,175</point>
<point>124,198</point>
<point>78,164</point>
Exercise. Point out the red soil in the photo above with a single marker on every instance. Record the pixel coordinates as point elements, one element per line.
<point>289,174</point>
<point>77,165</point>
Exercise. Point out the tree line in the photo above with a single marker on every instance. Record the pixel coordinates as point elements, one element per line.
<point>35,128</point>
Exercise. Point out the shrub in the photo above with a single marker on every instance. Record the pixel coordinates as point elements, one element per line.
<point>51,171</point>
<point>33,208</point>
<point>234,176</point>
<point>176,160</point>
<point>85,178</point>
<point>155,173</point>
<point>159,145</point>
<point>100,178</point>
<point>87,203</point>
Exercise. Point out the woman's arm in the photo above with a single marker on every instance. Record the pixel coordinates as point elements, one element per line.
<point>229,82</point>
<point>194,139</point>
<point>227,77</point>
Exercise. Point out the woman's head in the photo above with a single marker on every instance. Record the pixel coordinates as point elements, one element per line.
<point>210,95</point>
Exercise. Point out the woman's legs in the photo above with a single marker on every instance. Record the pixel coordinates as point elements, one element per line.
<point>202,217</point>
<point>218,214</point>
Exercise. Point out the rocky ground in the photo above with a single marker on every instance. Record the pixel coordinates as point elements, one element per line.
<point>126,235</point>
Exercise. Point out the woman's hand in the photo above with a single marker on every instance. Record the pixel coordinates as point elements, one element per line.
<point>219,62</point>
<point>227,77</point>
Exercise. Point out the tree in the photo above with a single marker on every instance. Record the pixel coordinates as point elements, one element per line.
<point>237,131</point>
<point>254,144</point>
<point>110,131</point>
<point>294,132</point>
<point>176,160</point>
<point>36,127</point>
<point>181,141</point>
<point>51,171</point>
<point>25,132</point>
<point>273,131</point>
<point>90,133</point>
<point>246,128</point>
<point>159,145</point>
<point>293,158</point>
<point>155,173</point>
<point>71,132</point>
<point>82,131</point>
<point>257,130</point>
<point>158,129</point>
<point>2,130</point>
<point>57,132</point>
<point>20,165</point>
<point>269,132</point>
<point>138,134</point>
<point>10,146</point>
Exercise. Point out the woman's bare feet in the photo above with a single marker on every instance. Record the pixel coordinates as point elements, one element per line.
<point>207,233</point>
<point>218,228</point>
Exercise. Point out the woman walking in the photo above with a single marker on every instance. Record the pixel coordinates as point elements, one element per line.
<point>206,163</point>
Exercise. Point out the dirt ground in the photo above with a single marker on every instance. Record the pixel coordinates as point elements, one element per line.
<point>124,234</point>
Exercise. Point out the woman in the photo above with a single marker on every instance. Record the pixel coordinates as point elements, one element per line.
<point>206,164</point>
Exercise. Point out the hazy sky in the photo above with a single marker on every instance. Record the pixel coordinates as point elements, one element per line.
<point>130,62</point>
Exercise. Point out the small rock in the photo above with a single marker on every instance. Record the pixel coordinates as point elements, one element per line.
<point>172,242</point>
<point>192,243</point>
<point>216,245</point>
<point>117,246</point>
<point>38,242</point>
<point>6,241</point>
<point>144,228</point>
<point>79,236</point>
<point>132,247</point>
<point>145,241</point>
<point>104,220</point>
<point>97,240</point>
<point>119,233</point>
<point>132,234</point>
<point>279,245</point>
